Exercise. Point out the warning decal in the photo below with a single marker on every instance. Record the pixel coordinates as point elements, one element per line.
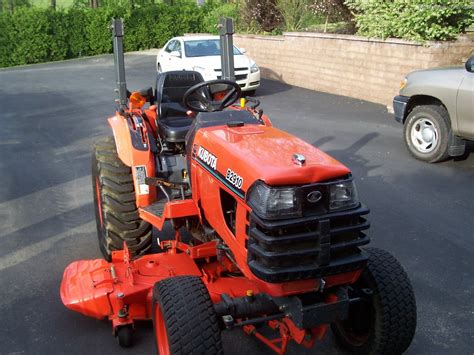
<point>140,175</point>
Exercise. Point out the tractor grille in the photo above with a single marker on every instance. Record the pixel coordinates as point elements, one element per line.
<point>309,247</point>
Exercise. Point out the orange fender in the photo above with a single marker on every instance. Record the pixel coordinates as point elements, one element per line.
<point>133,149</point>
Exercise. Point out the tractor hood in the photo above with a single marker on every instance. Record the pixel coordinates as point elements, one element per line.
<point>254,152</point>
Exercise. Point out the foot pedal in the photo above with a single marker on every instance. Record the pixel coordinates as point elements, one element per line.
<point>156,208</point>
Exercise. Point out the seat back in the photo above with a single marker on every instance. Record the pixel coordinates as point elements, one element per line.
<point>173,123</point>
<point>170,89</point>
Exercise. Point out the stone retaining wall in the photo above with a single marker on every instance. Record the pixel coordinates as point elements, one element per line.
<point>358,67</point>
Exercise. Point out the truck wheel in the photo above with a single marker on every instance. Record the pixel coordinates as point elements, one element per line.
<point>384,321</point>
<point>427,131</point>
<point>114,200</point>
<point>184,318</point>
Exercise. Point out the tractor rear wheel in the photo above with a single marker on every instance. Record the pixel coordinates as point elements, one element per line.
<point>114,199</point>
<point>384,321</point>
<point>184,318</point>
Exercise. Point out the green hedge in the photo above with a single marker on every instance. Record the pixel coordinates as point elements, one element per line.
<point>418,20</point>
<point>34,35</point>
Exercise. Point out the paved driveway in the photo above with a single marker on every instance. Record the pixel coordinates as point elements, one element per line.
<point>49,116</point>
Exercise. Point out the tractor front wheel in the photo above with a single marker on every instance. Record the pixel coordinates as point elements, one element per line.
<point>384,320</point>
<point>184,318</point>
<point>116,211</point>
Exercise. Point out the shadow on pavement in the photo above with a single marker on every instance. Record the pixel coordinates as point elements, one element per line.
<point>271,86</point>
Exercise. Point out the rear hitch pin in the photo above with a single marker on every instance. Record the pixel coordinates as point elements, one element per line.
<point>112,273</point>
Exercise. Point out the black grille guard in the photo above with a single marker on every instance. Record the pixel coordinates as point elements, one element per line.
<point>309,247</point>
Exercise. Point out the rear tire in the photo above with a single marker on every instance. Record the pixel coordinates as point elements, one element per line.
<point>385,322</point>
<point>116,212</point>
<point>184,318</point>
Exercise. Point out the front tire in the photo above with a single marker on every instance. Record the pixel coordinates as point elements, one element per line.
<point>427,132</point>
<point>384,321</point>
<point>184,318</point>
<point>116,212</point>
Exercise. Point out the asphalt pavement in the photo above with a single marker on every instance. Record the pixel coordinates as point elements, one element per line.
<point>51,113</point>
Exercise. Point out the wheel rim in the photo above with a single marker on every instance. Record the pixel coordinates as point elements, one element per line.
<point>359,325</point>
<point>99,200</point>
<point>424,135</point>
<point>161,333</point>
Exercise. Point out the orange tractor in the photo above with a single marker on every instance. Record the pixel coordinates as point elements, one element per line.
<point>268,230</point>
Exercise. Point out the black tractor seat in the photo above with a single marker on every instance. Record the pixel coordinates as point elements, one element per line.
<point>173,122</point>
<point>175,130</point>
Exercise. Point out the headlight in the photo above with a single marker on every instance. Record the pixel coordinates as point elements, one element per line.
<point>274,202</point>
<point>254,68</point>
<point>343,196</point>
<point>297,201</point>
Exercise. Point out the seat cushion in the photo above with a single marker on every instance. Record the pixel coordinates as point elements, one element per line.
<point>175,129</point>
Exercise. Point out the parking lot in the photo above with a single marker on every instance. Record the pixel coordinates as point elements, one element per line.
<point>50,115</point>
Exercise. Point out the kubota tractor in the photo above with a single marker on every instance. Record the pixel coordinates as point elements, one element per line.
<point>275,228</point>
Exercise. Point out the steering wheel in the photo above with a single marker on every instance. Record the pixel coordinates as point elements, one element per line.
<point>212,95</point>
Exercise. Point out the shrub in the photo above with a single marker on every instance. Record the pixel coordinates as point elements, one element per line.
<point>297,14</point>
<point>261,15</point>
<point>213,11</point>
<point>35,35</point>
<point>417,20</point>
<point>333,11</point>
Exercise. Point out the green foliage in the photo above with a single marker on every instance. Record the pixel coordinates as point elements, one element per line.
<point>261,15</point>
<point>417,20</point>
<point>297,14</point>
<point>35,35</point>
<point>214,10</point>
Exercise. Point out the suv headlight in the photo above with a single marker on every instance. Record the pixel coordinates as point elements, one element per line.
<point>294,201</point>
<point>343,196</point>
<point>274,202</point>
<point>254,68</point>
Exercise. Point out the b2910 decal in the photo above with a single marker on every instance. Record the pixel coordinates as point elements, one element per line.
<point>234,178</point>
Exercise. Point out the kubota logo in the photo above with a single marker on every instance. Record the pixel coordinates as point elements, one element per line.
<point>207,158</point>
<point>314,196</point>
